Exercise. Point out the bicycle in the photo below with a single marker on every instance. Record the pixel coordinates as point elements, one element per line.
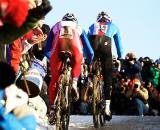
<point>63,97</point>
<point>98,98</point>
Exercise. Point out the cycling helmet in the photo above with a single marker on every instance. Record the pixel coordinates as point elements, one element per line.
<point>104,17</point>
<point>69,17</point>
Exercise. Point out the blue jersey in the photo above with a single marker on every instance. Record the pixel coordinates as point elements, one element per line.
<point>107,29</point>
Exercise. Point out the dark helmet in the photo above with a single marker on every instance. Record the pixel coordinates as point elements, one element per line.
<point>69,17</point>
<point>104,17</point>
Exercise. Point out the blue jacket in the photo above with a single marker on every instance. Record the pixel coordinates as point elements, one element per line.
<point>110,30</point>
<point>10,122</point>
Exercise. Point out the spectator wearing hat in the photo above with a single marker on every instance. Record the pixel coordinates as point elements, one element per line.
<point>138,96</point>
<point>132,67</point>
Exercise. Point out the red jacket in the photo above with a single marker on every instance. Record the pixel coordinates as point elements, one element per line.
<point>15,54</point>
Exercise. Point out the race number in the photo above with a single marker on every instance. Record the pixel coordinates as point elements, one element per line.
<point>103,28</point>
<point>66,32</point>
<point>100,28</point>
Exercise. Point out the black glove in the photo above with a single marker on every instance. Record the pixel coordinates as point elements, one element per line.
<point>40,11</point>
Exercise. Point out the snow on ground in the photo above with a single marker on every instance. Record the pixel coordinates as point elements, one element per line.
<point>78,122</point>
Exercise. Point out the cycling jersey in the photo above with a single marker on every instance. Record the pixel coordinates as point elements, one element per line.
<point>109,30</point>
<point>101,35</point>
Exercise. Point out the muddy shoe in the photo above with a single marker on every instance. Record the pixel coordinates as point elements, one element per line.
<point>108,114</point>
<point>52,117</point>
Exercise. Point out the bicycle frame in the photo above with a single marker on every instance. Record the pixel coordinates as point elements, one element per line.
<point>62,101</point>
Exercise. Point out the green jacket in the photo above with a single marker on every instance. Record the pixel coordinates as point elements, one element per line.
<point>155,76</point>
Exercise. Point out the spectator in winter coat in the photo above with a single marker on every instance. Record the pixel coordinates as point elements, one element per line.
<point>14,112</point>
<point>138,96</point>
<point>132,67</point>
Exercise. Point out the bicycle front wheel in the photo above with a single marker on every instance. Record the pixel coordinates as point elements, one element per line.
<point>66,108</point>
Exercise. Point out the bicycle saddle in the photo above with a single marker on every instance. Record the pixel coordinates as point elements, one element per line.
<point>64,55</point>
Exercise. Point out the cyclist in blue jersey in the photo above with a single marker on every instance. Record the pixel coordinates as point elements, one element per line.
<point>100,35</point>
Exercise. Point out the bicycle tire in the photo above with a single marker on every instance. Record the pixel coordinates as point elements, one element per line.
<point>63,106</point>
<point>96,119</point>
<point>58,119</point>
<point>66,110</point>
<point>98,109</point>
<point>96,114</point>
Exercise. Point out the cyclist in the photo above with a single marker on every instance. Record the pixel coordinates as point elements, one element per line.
<point>67,35</point>
<point>100,35</point>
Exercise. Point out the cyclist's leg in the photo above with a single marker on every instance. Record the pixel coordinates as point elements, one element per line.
<point>76,68</point>
<point>107,73</point>
<point>55,65</point>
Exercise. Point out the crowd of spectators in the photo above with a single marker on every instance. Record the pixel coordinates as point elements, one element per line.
<point>135,88</point>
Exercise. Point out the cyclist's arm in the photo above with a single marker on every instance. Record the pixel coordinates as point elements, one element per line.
<point>118,44</point>
<point>47,49</point>
<point>87,49</point>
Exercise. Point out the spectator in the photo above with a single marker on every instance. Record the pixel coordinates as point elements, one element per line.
<point>132,67</point>
<point>154,102</point>
<point>9,32</point>
<point>138,96</point>
<point>22,45</point>
<point>15,100</point>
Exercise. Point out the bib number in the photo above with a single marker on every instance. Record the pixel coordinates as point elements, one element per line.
<point>66,32</point>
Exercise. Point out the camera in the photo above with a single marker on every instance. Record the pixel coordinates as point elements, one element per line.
<point>136,85</point>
